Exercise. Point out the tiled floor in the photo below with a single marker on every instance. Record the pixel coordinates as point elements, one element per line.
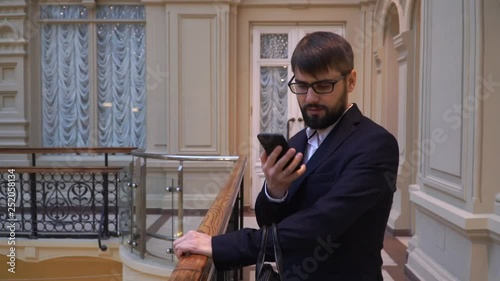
<point>394,255</point>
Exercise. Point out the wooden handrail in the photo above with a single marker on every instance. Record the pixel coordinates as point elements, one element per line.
<point>197,267</point>
<point>30,150</point>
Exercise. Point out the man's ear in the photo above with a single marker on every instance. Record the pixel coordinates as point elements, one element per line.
<point>351,81</point>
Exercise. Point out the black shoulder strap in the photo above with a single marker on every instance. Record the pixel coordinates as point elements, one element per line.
<point>278,256</point>
<point>261,258</point>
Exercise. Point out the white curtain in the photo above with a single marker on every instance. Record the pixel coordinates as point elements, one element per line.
<point>121,78</point>
<point>273,99</point>
<point>121,88</point>
<point>65,78</point>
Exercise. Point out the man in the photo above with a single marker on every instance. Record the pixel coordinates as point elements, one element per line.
<point>331,213</point>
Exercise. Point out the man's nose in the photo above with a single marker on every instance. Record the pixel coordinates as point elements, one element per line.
<point>311,95</point>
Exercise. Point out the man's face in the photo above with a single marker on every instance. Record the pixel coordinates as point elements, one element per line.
<point>323,110</point>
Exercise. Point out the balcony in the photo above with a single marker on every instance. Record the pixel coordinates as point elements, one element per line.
<point>129,213</point>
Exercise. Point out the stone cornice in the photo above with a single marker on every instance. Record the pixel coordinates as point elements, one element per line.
<point>12,3</point>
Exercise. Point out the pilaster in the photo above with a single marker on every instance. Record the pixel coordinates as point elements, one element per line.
<point>378,100</point>
<point>400,220</point>
<point>13,97</point>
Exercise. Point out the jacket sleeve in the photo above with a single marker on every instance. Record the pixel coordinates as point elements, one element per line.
<point>267,212</point>
<point>235,249</point>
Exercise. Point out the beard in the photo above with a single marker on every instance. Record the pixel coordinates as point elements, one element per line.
<point>332,114</point>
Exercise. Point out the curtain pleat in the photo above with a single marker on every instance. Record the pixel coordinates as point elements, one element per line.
<point>121,87</point>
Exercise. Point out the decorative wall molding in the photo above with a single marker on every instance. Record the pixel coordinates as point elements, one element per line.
<point>423,267</point>
<point>468,223</point>
<point>379,59</point>
<point>12,27</point>
<point>448,123</point>
<point>401,42</point>
<point>13,51</point>
<point>450,236</point>
<point>198,66</point>
<point>12,5</point>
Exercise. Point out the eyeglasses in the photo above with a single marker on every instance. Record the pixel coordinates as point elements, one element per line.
<point>319,87</point>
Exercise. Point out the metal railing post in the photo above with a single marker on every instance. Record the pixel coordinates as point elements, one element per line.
<point>141,210</point>
<point>180,199</point>
<point>33,207</point>
<point>105,213</point>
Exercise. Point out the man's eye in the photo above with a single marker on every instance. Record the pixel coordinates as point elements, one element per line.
<point>302,87</point>
<point>323,86</point>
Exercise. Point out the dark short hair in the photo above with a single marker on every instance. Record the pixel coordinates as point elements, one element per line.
<point>319,52</point>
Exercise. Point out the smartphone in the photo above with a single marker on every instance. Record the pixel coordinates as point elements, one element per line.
<point>270,141</point>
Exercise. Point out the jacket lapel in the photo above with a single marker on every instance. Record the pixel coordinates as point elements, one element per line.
<point>345,127</point>
<point>299,141</point>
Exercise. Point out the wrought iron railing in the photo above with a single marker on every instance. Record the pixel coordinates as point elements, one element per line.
<point>62,201</point>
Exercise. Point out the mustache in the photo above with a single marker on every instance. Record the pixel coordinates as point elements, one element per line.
<point>314,106</point>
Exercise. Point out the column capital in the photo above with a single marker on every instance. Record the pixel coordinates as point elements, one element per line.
<point>402,42</point>
<point>379,55</point>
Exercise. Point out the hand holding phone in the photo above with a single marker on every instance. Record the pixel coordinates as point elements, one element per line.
<point>270,141</point>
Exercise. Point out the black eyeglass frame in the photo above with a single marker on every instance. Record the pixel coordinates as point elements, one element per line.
<point>333,82</point>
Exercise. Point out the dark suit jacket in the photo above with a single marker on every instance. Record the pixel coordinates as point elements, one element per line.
<point>332,224</point>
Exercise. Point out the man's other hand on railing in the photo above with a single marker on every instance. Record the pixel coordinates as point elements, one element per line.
<point>193,243</point>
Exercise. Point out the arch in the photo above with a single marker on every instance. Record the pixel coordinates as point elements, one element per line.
<point>8,31</point>
<point>410,13</point>
<point>391,27</point>
<point>382,13</point>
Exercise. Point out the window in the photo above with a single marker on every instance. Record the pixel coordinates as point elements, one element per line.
<point>93,75</point>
